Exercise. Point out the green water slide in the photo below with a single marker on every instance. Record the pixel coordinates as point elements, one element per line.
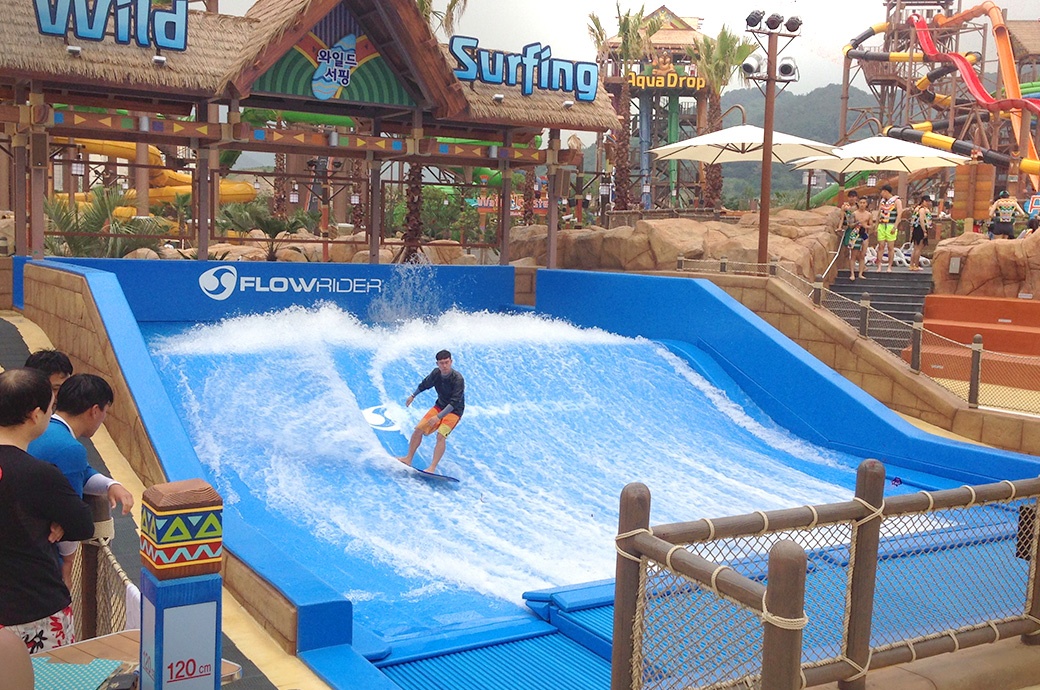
<point>830,192</point>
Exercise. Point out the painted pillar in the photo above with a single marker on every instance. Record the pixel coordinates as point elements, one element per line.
<point>182,549</point>
<point>552,217</point>
<point>202,212</point>
<point>673,136</point>
<point>39,157</point>
<point>142,178</point>
<point>505,216</point>
<point>646,111</point>
<point>20,144</point>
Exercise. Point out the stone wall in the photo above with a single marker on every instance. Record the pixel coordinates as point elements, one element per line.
<point>61,304</point>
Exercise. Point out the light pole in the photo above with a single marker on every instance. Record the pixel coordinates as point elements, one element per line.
<point>773,28</point>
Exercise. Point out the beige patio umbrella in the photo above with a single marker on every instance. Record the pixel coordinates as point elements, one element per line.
<point>881,153</point>
<point>740,144</point>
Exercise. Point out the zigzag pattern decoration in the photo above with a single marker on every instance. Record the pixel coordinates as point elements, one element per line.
<point>196,524</point>
<point>178,556</point>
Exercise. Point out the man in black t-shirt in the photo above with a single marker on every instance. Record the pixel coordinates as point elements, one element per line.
<point>38,507</point>
<point>446,412</point>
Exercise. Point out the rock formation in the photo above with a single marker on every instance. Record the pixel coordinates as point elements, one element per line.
<point>800,240</point>
<point>988,268</point>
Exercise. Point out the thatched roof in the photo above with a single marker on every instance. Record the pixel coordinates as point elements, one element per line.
<point>199,71</point>
<point>1025,38</point>
<point>675,33</point>
<point>540,109</point>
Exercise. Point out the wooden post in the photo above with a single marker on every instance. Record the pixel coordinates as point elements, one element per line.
<point>785,598</point>
<point>864,313</point>
<point>19,188</point>
<point>202,216</point>
<point>915,347</point>
<point>635,515</point>
<point>142,177</point>
<point>817,293</point>
<point>86,614</point>
<point>552,217</point>
<point>181,554</point>
<point>39,158</point>
<point>975,378</point>
<point>505,220</point>
<point>870,487</point>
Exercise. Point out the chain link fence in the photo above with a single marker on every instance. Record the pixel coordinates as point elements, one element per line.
<point>888,581</point>
<point>996,379</point>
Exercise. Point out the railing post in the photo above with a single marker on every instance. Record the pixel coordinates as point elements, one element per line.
<point>88,561</point>
<point>817,290</point>
<point>870,487</point>
<point>975,378</point>
<point>915,343</point>
<point>722,264</point>
<point>864,313</point>
<point>635,515</point>
<point>785,598</point>
<point>1033,555</point>
<point>680,262</point>
<point>774,267</point>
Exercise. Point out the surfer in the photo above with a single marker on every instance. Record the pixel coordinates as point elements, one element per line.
<point>446,412</point>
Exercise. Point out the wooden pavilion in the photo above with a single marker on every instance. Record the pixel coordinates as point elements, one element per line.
<point>400,88</point>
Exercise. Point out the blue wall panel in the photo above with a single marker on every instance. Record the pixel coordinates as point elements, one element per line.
<point>793,387</point>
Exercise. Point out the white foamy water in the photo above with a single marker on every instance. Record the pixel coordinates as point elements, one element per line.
<point>558,419</point>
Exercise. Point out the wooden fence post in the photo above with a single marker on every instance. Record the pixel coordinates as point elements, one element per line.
<point>785,599</point>
<point>870,488</point>
<point>635,515</point>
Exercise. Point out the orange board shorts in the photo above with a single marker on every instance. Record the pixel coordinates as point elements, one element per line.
<point>447,423</point>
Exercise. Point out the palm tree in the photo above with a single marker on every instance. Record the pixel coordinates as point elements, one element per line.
<point>634,32</point>
<point>717,59</point>
<point>413,219</point>
<point>83,224</point>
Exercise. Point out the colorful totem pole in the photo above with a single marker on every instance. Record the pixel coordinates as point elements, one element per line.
<point>181,553</point>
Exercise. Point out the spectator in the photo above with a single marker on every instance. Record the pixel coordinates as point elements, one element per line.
<point>1003,211</point>
<point>37,508</point>
<point>80,409</point>
<point>54,363</point>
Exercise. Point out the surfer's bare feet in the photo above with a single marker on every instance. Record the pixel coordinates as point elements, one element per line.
<point>406,461</point>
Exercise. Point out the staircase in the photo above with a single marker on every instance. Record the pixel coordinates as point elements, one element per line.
<point>899,294</point>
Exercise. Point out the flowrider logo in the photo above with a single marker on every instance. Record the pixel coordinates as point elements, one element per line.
<point>218,283</point>
<point>223,281</point>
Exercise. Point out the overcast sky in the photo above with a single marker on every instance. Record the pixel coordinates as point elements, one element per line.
<point>562,24</point>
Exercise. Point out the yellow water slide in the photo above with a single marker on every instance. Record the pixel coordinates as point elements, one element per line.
<point>1006,63</point>
<point>164,184</point>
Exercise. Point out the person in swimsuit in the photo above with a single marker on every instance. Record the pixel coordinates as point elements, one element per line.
<point>446,412</point>
<point>921,225</point>
<point>1003,211</point>
<point>889,209</point>
<point>862,220</point>
<point>847,230</point>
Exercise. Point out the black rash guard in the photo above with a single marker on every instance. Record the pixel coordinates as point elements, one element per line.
<point>451,390</point>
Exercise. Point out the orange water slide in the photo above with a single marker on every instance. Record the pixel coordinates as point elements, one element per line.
<point>1006,64</point>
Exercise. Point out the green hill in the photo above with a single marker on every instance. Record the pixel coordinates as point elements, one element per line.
<point>813,115</point>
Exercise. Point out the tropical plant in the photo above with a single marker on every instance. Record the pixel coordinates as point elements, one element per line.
<point>528,187</point>
<point>445,20</point>
<point>634,33</point>
<point>94,228</point>
<point>413,222</point>
<point>717,60</point>
<point>255,215</point>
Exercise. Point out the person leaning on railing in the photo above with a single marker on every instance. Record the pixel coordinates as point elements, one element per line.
<point>38,507</point>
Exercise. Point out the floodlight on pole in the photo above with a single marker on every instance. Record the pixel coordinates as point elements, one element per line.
<point>793,24</point>
<point>787,70</point>
<point>774,21</point>
<point>755,18</point>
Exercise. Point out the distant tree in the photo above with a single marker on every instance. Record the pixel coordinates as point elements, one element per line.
<point>717,60</point>
<point>634,33</point>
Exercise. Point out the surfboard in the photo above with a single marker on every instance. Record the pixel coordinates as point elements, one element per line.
<point>430,476</point>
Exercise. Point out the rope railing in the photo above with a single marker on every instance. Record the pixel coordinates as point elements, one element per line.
<point>890,580</point>
<point>978,376</point>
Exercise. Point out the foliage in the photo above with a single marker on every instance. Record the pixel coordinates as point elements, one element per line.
<point>717,60</point>
<point>635,32</point>
<point>256,215</point>
<point>445,215</point>
<point>83,225</point>
<point>445,20</point>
